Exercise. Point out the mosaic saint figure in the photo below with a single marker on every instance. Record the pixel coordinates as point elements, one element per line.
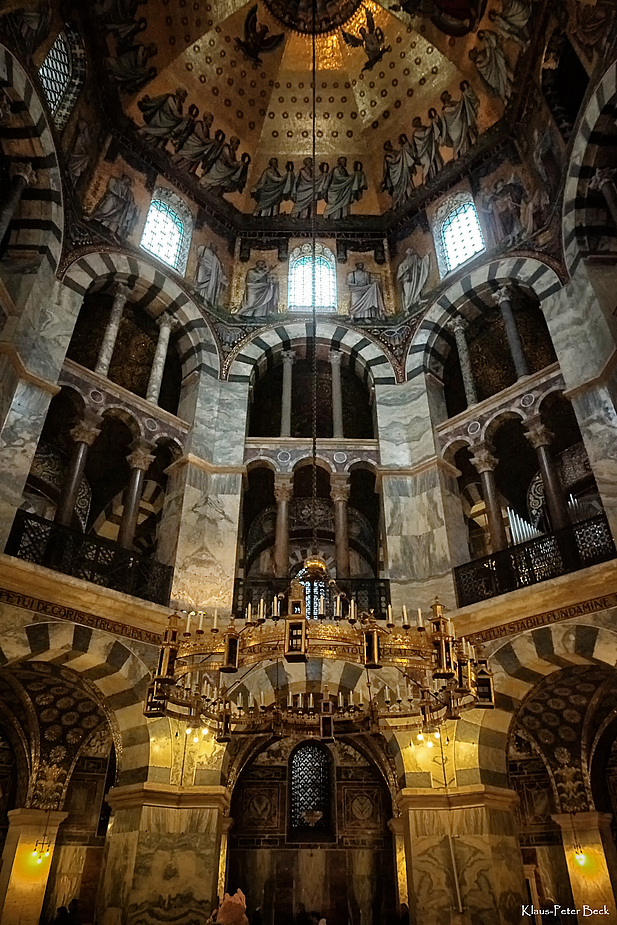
<point>163,116</point>
<point>460,119</point>
<point>303,191</point>
<point>492,64</point>
<point>398,170</point>
<point>273,188</point>
<point>426,147</point>
<point>211,279</point>
<point>117,209</point>
<point>366,298</point>
<point>412,275</point>
<point>196,146</point>
<point>261,292</point>
<point>513,20</point>
<point>79,157</point>
<point>343,189</point>
<point>130,69</point>
<point>227,174</point>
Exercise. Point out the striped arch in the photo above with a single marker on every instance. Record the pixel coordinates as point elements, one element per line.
<point>580,205</point>
<point>119,676</point>
<point>469,297</point>
<point>156,292</point>
<point>39,226</point>
<point>518,666</point>
<point>366,357</point>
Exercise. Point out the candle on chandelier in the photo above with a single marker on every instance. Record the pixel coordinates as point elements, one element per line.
<point>390,621</point>
<point>341,702</point>
<point>337,611</point>
<point>261,698</point>
<point>406,623</point>
<point>188,624</point>
<point>215,621</point>
<point>290,700</point>
<point>322,606</point>
<point>311,701</point>
<point>398,693</point>
<point>201,621</point>
<point>247,617</point>
<point>262,605</point>
<point>240,700</point>
<point>251,700</point>
<point>420,624</point>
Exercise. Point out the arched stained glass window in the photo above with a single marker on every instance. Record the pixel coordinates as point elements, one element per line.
<point>167,232</point>
<point>458,235</point>
<point>301,276</point>
<point>311,791</point>
<point>314,590</point>
<point>62,74</point>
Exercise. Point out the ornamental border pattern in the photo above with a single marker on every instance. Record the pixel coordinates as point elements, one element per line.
<point>71,615</point>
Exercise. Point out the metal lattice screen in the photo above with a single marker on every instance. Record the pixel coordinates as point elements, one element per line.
<point>310,789</point>
<point>55,72</point>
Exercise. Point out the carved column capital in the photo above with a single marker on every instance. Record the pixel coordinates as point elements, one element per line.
<point>165,320</point>
<point>140,457</point>
<point>288,356</point>
<point>538,433</point>
<point>458,325</point>
<point>121,294</point>
<point>24,170</point>
<point>483,460</point>
<point>339,486</point>
<point>503,294</point>
<point>335,357</point>
<point>85,432</point>
<point>283,486</point>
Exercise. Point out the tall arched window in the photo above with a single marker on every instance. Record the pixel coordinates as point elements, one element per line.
<point>168,229</point>
<point>310,786</point>
<point>302,274</point>
<point>62,74</point>
<point>457,232</point>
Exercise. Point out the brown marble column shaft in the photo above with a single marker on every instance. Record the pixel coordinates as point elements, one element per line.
<point>83,434</point>
<point>485,463</point>
<point>140,461</point>
<point>288,359</point>
<point>459,328</point>
<point>283,492</point>
<point>339,492</point>
<point>540,438</point>
<point>337,394</point>
<point>504,300</point>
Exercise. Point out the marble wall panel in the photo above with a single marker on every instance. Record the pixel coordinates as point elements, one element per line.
<point>596,412</point>
<point>217,412</point>
<point>199,535</point>
<point>405,421</point>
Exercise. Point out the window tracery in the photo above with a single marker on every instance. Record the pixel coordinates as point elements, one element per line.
<point>168,229</point>
<point>457,232</point>
<point>62,74</point>
<point>301,279</point>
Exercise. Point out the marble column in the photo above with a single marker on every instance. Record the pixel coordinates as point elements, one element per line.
<point>283,492</point>
<point>337,394</point>
<point>593,873</point>
<point>339,492</point>
<point>503,298</point>
<point>21,175</point>
<point>166,324</point>
<point>540,438</point>
<point>111,331</point>
<point>397,827</point>
<point>464,860</point>
<point>604,181</point>
<point>162,851</point>
<point>485,464</point>
<point>288,360</point>
<point>140,461</point>
<point>23,880</point>
<point>83,435</point>
<point>459,326</point>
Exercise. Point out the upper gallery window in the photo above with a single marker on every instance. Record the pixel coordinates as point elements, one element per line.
<point>168,228</point>
<point>312,282</point>
<point>62,74</point>
<point>457,232</point>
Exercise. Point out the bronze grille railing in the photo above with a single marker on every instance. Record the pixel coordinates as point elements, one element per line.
<point>368,593</point>
<point>575,547</point>
<point>89,557</point>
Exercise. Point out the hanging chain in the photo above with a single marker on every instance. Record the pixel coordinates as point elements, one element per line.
<point>313,339</point>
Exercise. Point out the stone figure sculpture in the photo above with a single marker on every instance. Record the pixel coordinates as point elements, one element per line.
<point>261,292</point>
<point>273,188</point>
<point>163,116</point>
<point>412,275</point>
<point>210,278</point>
<point>343,188</point>
<point>366,298</point>
<point>371,39</point>
<point>117,209</point>
<point>492,64</point>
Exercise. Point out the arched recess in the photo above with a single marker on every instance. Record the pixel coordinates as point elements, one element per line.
<point>366,357</point>
<point>578,210</point>
<point>156,292</point>
<point>118,675</point>
<point>518,666</point>
<point>37,230</point>
<point>432,341</point>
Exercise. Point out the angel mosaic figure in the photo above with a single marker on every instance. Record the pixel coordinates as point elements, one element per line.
<point>371,39</point>
<point>256,40</point>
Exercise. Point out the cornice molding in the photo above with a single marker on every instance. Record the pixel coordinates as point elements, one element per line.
<point>9,351</point>
<point>473,796</point>
<point>204,465</point>
<point>168,795</point>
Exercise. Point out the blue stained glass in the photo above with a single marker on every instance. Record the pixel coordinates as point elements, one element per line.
<point>461,235</point>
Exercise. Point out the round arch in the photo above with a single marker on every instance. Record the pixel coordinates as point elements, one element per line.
<point>366,356</point>
<point>518,665</point>
<point>157,293</point>
<point>118,675</point>
<point>43,212</point>
<point>432,341</point>
<point>587,142</point>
